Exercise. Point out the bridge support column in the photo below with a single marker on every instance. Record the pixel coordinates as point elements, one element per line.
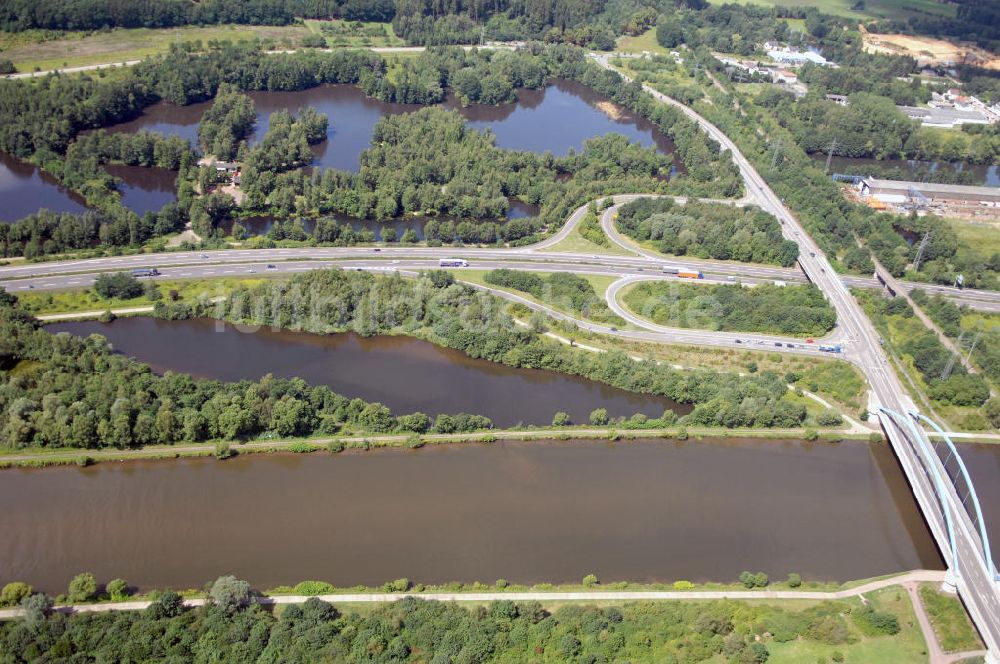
<point>992,657</point>
<point>950,584</point>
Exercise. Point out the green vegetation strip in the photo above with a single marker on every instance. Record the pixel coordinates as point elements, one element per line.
<point>882,630</point>
<point>798,310</point>
<point>951,623</point>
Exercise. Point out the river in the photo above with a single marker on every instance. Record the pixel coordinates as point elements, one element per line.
<point>401,372</point>
<point>652,511</point>
<point>911,169</point>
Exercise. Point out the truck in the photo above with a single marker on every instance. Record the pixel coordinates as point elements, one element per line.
<point>831,349</point>
<point>146,272</point>
<point>453,262</point>
<point>670,270</point>
<point>690,274</point>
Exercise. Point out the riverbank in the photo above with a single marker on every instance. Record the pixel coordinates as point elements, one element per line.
<point>540,592</point>
<point>38,458</point>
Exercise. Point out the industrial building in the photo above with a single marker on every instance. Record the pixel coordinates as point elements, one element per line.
<point>901,193</point>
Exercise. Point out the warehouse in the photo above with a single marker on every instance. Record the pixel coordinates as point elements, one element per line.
<point>927,194</point>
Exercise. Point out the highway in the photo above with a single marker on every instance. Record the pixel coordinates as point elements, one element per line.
<point>974,576</point>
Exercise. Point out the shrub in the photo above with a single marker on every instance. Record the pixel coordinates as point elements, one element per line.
<point>13,593</point>
<point>230,594</point>
<point>751,580</point>
<point>301,447</point>
<point>880,622</point>
<point>312,588</point>
<point>811,434</point>
<point>397,586</point>
<point>36,608</point>
<point>120,285</point>
<point>683,585</point>
<point>223,451</point>
<point>561,419</point>
<point>82,588</point>
<point>599,416</point>
<point>335,446</point>
<point>590,580</point>
<point>794,580</point>
<point>829,417</point>
<point>168,605</point>
<point>117,589</point>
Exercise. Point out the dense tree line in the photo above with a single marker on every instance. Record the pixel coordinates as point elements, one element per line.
<point>436,308</point>
<point>871,126</point>
<point>64,391</point>
<point>226,123</point>
<point>948,316</point>
<point>232,629</point>
<point>794,309</point>
<point>97,14</point>
<point>706,230</point>
<point>946,378</point>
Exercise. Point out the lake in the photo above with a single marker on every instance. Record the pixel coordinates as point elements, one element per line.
<point>556,119</point>
<point>401,372</point>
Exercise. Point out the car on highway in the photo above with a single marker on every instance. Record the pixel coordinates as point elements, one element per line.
<point>376,249</point>
<point>252,270</point>
<point>809,341</point>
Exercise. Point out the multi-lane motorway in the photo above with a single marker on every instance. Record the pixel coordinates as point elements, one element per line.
<point>972,573</point>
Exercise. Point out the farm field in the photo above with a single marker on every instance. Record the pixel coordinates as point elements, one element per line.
<point>36,49</point>
<point>873,8</point>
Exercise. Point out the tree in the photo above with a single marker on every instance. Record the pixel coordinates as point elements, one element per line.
<point>230,594</point>
<point>13,593</point>
<point>168,605</point>
<point>991,409</point>
<point>590,580</point>
<point>82,588</point>
<point>794,580</point>
<point>36,608</point>
<point>120,285</point>
<point>561,419</point>
<point>599,416</point>
<point>118,589</point>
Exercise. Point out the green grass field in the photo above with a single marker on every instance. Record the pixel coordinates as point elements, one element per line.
<point>873,8</point>
<point>983,238</point>
<point>37,49</point>
<point>951,623</point>
<point>41,303</point>
<point>599,283</point>
<point>357,33</point>
<point>641,43</point>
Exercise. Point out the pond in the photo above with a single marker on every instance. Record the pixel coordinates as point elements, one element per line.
<point>404,373</point>
<point>25,189</point>
<point>556,119</point>
<point>144,189</point>
<point>261,224</point>
<point>650,511</point>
